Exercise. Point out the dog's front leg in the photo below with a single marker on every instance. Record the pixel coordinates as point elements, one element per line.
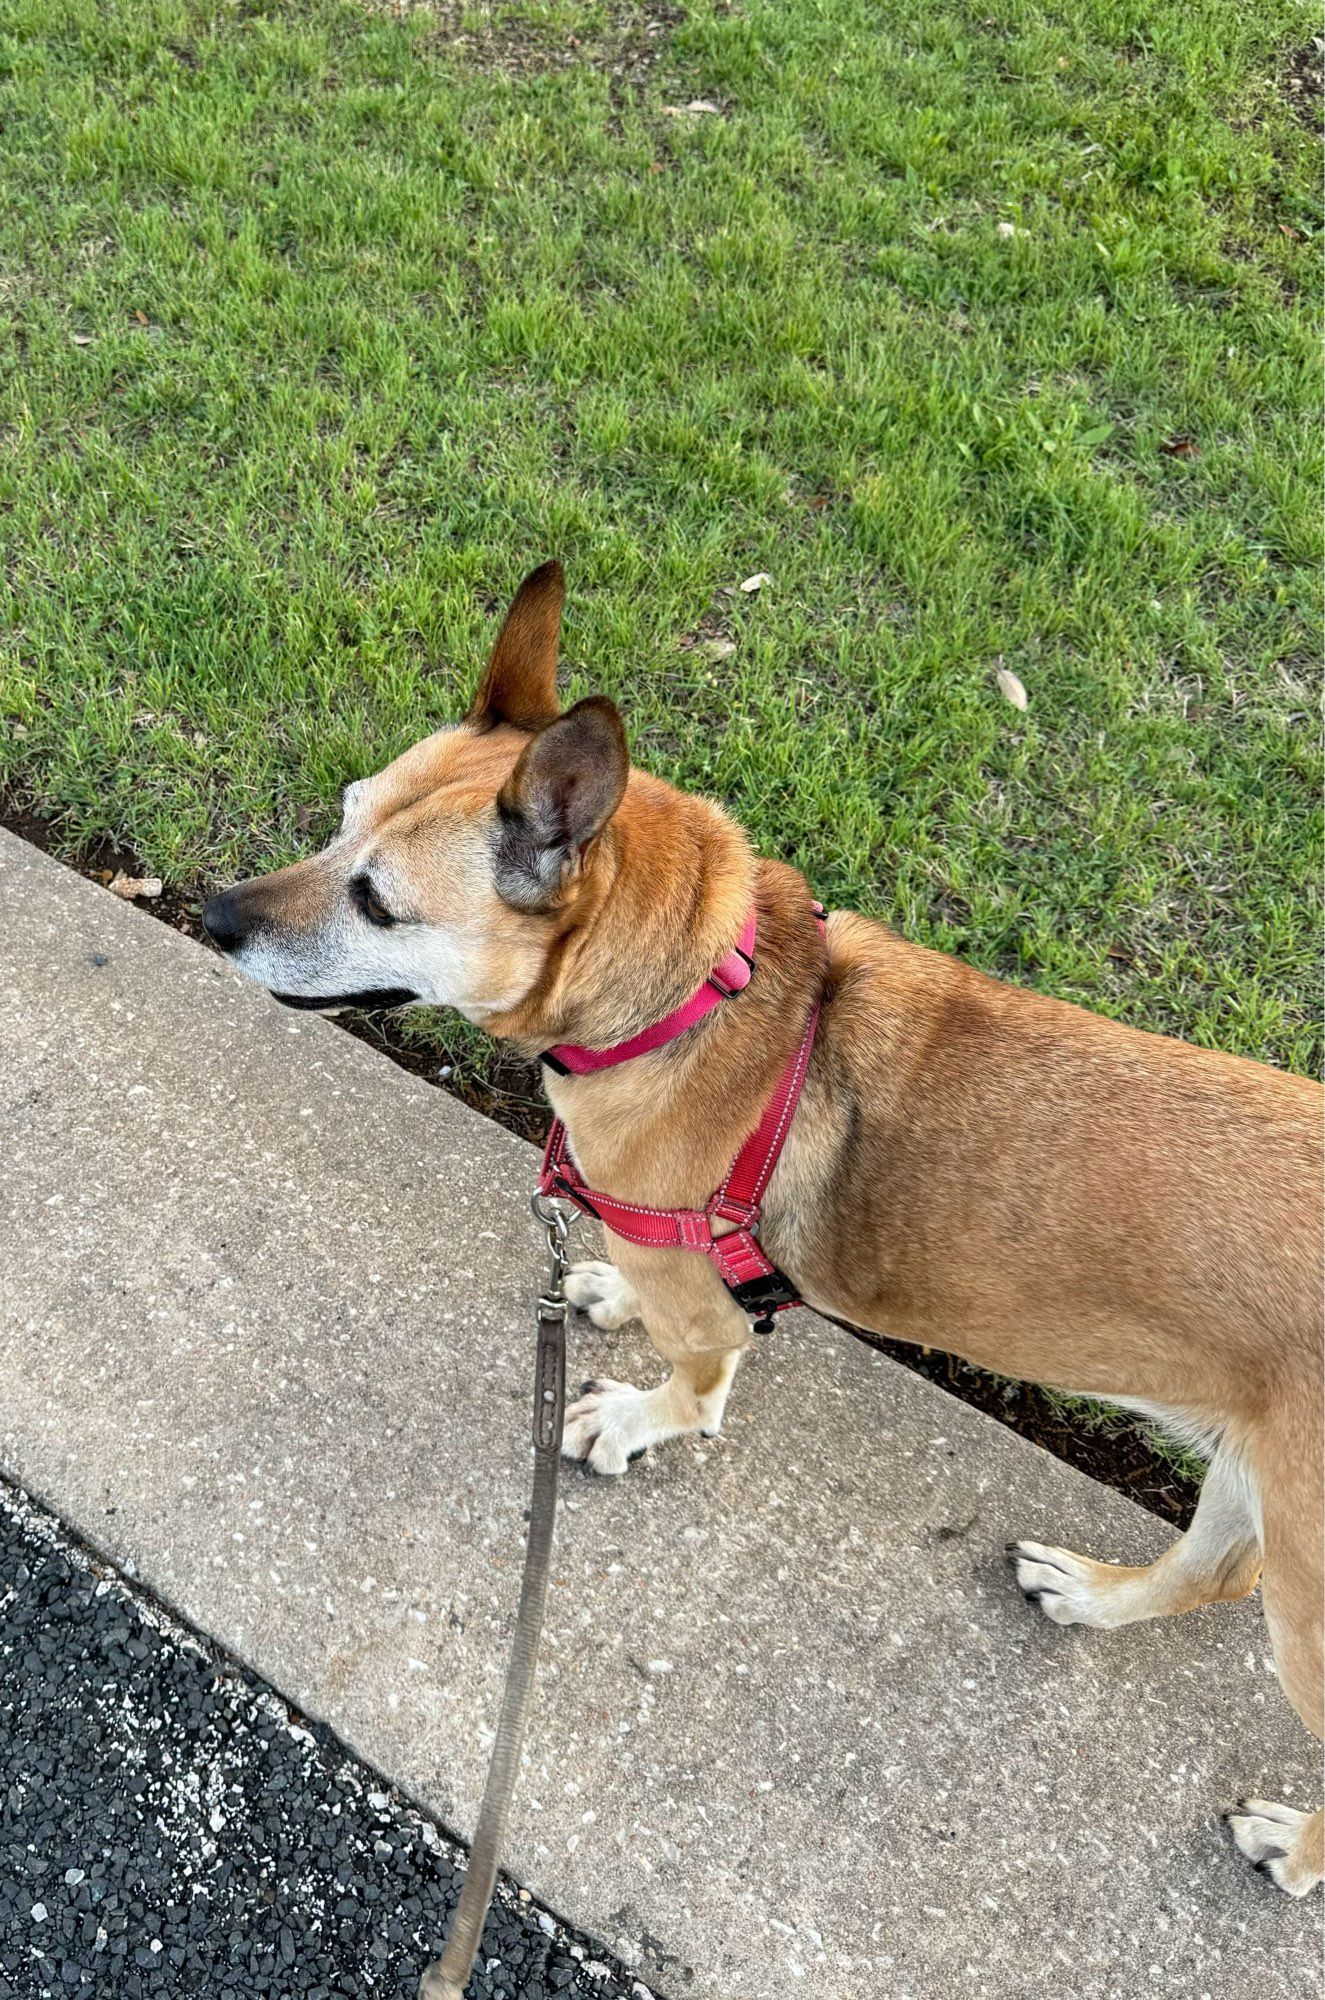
<point>604,1293</point>
<point>692,1321</point>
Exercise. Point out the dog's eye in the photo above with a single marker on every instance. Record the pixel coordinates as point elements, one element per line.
<point>370,903</point>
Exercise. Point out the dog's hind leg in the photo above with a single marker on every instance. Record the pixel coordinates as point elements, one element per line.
<point>1286,1842</point>
<point>1218,1559</point>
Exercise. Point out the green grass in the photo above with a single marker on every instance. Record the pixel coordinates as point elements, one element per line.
<point>320,326</point>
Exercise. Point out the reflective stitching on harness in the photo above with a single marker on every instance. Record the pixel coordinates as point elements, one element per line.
<point>799,1067</point>
<point>802,1064</point>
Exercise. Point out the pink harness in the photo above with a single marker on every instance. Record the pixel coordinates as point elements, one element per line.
<point>755,1283</point>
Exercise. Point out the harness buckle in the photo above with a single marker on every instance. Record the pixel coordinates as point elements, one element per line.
<point>761,1297</point>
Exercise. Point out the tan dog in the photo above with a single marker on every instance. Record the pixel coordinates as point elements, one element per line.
<point>971,1165</point>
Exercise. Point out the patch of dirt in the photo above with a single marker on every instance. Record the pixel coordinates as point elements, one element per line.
<point>505,40</point>
<point>1115,1451</point>
<point>507,1088</point>
<point>102,859</point>
<point>1302,81</point>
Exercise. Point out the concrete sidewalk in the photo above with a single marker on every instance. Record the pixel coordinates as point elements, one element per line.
<point>265,1337</point>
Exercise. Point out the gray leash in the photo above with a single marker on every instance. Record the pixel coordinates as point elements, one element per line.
<point>445,1977</point>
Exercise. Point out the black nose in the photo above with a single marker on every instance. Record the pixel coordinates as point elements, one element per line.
<point>223,920</point>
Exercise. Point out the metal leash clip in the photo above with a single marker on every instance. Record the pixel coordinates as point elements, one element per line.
<point>553,1309</point>
<point>555,1219</point>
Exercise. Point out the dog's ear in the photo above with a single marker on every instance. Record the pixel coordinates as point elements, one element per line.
<point>557,800</point>
<point>520,684</point>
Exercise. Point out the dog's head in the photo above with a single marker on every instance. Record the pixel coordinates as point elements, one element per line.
<point>455,868</point>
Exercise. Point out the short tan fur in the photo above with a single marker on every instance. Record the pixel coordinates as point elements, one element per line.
<point>972,1165</point>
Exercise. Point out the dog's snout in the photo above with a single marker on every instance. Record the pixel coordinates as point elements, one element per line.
<point>224,921</point>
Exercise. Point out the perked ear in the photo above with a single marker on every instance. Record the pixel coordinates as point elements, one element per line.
<point>557,800</point>
<point>520,685</point>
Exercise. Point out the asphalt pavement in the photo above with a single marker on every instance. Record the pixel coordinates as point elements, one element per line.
<point>169,1827</point>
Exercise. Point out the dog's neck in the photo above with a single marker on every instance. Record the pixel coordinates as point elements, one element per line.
<point>669,898</point>
<point>663,899</point>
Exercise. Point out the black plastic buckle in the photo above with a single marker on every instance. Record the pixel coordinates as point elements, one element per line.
<point>761,1297</point>
<point>574,1195</point>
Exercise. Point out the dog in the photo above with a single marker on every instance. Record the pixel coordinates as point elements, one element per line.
<point>971,1165</point>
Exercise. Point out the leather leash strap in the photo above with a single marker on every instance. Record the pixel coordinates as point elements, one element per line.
<point>445,1977</point>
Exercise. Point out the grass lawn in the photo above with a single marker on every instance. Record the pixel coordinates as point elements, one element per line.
<point>990,337</point>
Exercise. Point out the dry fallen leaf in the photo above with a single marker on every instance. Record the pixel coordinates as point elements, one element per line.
<point>719,649</point>
<point>82,340</point>
<point>1181,447</point>
<point>696,107</point>
<point>131,887</point>
<point>303,818</point>
<point>1011,229</point>
<point>1120,954</point>
<point>1011,688</point>
<point>756,582</point>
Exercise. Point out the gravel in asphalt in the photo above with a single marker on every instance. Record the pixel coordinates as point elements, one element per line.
<point>169,1828</point>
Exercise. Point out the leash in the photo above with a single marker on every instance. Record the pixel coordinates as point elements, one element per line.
<point>445,1978</point>
<point>753,1281</point>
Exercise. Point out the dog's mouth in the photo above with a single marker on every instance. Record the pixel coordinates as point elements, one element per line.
<point>326,1003</point>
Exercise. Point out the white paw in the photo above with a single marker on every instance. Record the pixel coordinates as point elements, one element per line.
<point>1060,1583</point>
<point>1270,1836</point>
<point>612,1423</point>
<point>601,1291</point>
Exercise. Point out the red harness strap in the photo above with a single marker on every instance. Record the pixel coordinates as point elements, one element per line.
<point>753,1280</point>
<point>730,976</point>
